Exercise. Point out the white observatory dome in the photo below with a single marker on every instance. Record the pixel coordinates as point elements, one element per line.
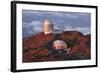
<point>59,44</point>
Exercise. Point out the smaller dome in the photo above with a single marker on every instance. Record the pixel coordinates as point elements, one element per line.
<point>59,44</point>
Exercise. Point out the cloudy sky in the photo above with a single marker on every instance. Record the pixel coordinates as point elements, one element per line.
<point>67,21</point>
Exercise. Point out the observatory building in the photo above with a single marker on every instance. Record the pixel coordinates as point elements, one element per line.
<point>48,26</point>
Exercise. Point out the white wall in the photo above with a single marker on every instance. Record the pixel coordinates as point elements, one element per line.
<point>5,36</point>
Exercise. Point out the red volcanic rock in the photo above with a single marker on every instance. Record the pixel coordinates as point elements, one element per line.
<point>37,40</point>
<point>35,50</point>
<point>43,52</point>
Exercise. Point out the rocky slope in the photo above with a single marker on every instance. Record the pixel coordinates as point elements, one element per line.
<point>38,48</point>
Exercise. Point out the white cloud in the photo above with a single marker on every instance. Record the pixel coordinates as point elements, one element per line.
<point>30,32</point>
<point>57,27</point>
<point>36,23</point>
<point>33,27</point>
<point>84,30</point>
<point>38,29</point>
<point>69,15</point>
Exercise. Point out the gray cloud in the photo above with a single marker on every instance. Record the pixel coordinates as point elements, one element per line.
<point>32,28</point>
